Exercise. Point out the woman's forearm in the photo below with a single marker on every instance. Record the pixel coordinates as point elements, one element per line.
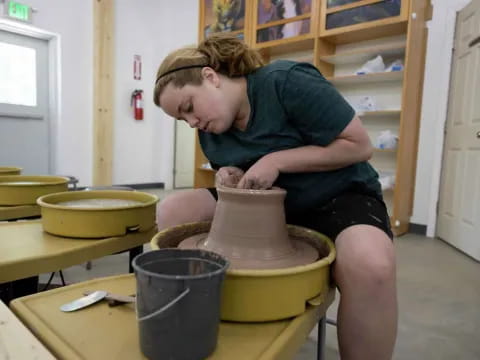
<point>339,154</point>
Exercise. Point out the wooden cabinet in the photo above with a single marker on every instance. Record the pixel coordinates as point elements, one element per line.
<point>340,16</point>
<point>338,37</point>
<point>287,20</point>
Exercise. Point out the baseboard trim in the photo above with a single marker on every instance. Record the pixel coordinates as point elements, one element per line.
<point>141,186</point>
<point>417,229</point>
<point>159,185</point>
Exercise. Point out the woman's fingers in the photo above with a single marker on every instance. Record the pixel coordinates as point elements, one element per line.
<point>253,183</point>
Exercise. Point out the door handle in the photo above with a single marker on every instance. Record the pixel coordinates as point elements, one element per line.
<point>474,42</point>
<point>478,135</point>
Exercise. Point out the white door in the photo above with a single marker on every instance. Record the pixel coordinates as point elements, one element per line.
<point>24,122</point>
<point>184,155</point>
<point>459,207</point>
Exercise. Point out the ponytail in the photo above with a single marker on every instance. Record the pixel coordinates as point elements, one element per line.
<point>229,55</point>
<point>223,52</point>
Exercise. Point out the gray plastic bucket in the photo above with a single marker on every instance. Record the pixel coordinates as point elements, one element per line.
<point>178,302</point>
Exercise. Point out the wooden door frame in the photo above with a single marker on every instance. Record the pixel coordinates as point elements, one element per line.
<point>441,113</point>
<point>54,79</point>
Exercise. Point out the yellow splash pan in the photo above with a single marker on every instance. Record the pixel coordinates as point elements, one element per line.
<point>10,170</point>
<point>97,222</point>
<point>25,190</point>
<point>265,295</point>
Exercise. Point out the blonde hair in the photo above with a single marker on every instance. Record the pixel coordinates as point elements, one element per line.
<point>223,52</point>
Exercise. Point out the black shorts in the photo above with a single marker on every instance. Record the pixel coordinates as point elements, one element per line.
<point>348,209</point>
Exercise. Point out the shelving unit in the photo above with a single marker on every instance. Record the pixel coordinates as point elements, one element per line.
<point>337,52</point>
<point>379,113</point>
<point>385,150</point>
<point>364,54</point>
<point>206,169</point>
<point>367,78</point>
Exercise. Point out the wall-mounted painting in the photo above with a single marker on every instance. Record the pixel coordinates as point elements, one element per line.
<point>224,16</point>
<point>273,10</point>
<point>361,14</point>
<point>333,3</point>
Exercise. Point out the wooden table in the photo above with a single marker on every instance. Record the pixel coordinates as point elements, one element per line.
<point>17,342</point>
<point>103,332</point>
<point>26,250</point>
<point>19,212</point>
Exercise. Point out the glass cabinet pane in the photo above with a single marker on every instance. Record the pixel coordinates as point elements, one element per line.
<point>273,10</point>
<point>334,3</point>
<point>283,31</point>
<point>361,14</point>
<point>224,16</point>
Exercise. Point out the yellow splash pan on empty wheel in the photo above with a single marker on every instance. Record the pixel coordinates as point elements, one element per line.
<point>10,170</point>
<point>265,295</point>
<point>25,190</point>
<point>87,221</point>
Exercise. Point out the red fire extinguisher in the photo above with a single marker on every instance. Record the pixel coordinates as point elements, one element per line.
<point>137,104</point>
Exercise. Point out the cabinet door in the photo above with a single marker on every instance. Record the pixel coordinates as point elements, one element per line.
<point>277,20</point>
<point>340,14</point>
<point>222,16</point>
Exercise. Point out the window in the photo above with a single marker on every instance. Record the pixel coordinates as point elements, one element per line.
<point>18,75</point>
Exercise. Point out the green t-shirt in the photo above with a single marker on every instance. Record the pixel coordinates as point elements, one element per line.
<point>292,105</point>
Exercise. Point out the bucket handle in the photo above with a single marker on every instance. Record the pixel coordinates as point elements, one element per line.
<point>166,307</point>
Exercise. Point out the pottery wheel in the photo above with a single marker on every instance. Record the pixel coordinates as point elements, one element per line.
<point>302,254</point>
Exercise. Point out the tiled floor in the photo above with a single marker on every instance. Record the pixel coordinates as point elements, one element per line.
<point>439,300</point>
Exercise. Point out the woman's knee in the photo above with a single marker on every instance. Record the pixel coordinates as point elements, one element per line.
<point>365,257</point>
<point>184,207</point>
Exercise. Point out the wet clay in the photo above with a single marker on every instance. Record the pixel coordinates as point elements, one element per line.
<point>250,230</point>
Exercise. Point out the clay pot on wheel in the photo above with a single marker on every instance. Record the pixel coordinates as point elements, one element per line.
<point>250,230</point>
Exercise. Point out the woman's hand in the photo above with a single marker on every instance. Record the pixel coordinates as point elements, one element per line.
<point>261,175</point>
<point>228,176</point>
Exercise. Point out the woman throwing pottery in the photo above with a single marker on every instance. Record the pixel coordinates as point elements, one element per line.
<point>283,124</point>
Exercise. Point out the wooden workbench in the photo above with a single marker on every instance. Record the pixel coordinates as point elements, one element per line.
<point>26,250</point>
<point>103,332</point>
<point>19,212</point>
<point>17,342</point>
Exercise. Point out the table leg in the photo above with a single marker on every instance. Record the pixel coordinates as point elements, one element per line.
<point>132,253</point>
<point>18,288</point>
<point>321,338</point>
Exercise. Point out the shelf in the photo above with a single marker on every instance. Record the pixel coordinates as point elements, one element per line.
<point>305,16</point>
<point>286,46</point>
<point>377,150</point>
<point>366,31</point>
<point>351,5</point>
<point>367,78</point>
<point>206,170</point>
<point>380,113</point>
<point>365,54</point>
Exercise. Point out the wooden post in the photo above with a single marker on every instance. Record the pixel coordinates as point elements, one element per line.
<point>103,14</point>
<point>411,112</point>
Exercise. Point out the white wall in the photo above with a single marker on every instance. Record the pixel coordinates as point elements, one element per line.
<point>73,20</point>
<point>144,149</point>
<point>434,110</point>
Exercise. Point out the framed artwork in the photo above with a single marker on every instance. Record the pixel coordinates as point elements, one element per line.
<point>334,3</point>
<point>223,16</point>
<point>274,10</point>
<point>365,13</point>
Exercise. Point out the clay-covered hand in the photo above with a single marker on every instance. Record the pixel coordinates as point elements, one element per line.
<point>228,176</point>
<point>260,176</point>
